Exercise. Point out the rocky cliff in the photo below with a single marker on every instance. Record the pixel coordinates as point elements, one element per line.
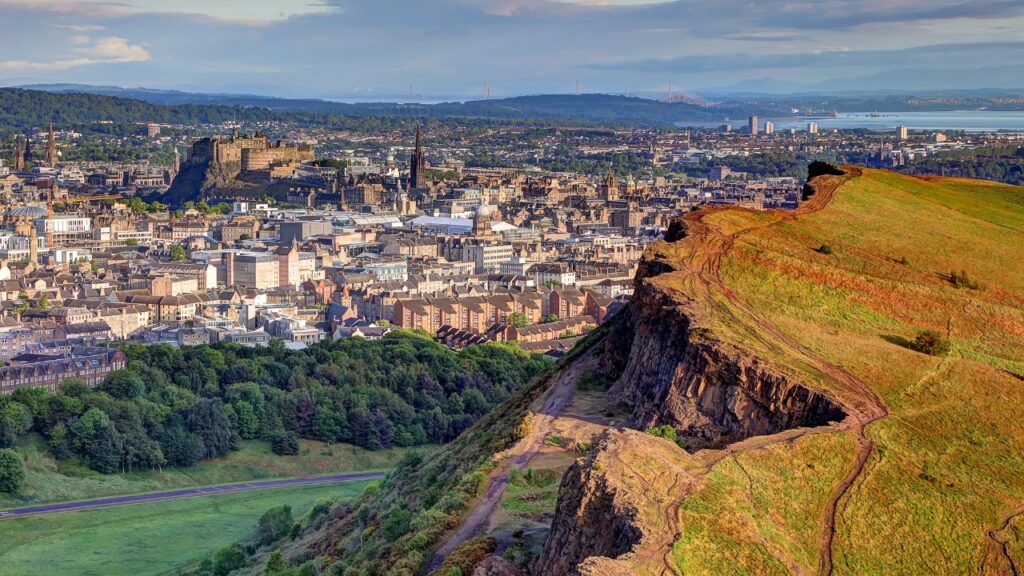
<point>676,373</point>
<point>667,367</point>
<point>616,507</point>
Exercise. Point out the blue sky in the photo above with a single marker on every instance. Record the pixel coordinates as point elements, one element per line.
<point>449,48</point>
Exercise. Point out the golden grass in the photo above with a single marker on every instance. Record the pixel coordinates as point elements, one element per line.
<point>948,460</point>
<point>758,511</point>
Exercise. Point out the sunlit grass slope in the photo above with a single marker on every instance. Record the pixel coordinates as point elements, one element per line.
<point>948,460</point>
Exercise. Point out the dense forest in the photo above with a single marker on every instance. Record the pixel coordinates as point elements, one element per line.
<point>175,406</point>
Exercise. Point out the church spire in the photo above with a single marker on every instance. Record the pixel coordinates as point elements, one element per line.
<point>418,164</point>
<point>51,147</point>
<point>19,155</point>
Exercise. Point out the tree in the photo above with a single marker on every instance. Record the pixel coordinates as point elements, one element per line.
<point>181,447</point>
<point>178,253</point>
<point>123,384</point>
<point>518,319</point>
<point>12,471</point>
<point>135,204</point>
<point>248,425</point>
<point>43,303</point>
<point>95,437</point>
<point>208,419</point>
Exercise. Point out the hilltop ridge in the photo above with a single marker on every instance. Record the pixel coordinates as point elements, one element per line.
<point>800,430</point>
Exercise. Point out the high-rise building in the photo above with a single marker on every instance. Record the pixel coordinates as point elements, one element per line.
<point>812,127</point>
<point>903,132</point>
<point>769,127</point>
<point>753,125</point>
<point>418,165</point>
<point>51,147</point>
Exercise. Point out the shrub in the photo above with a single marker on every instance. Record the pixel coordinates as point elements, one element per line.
<point>962,280</point>
<point>285,444</point>
<point>930,342</point>
<point>824,249</point>
<point>228,559</point>
<point>274,524</point>
<point>663,432</point>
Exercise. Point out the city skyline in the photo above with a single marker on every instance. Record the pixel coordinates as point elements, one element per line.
<point>451,48</point>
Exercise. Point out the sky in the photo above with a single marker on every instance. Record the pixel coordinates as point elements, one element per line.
<point>451,49</point>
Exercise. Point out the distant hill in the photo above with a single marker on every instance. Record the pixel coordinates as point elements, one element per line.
<point>22,109</point>
<point>586,108</point>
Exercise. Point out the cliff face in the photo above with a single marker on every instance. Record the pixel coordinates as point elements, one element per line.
<point>676,374</point>
<point>611,514</point>
<point>668,369</point>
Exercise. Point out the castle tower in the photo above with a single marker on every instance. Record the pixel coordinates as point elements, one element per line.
<point>418,165</point>
<point>51,147</point>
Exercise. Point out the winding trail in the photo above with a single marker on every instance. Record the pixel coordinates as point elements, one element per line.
<point>1001,547</point>
<point>13,513</point>
<point>862,404</point>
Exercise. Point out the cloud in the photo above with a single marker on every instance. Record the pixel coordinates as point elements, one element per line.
<point>107,50</point>
<point>76,27</point>
<point>936,55</point>
<point>449,48</point>
<point>114,49</point>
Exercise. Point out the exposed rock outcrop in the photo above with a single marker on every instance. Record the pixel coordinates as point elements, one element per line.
<point>616,506</point>
<point>615,515</point>
<point>673,371</point>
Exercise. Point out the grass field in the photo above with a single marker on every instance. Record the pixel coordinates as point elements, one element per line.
<point>947,463</point>
<point>146,539</point>
<point>49,480</point>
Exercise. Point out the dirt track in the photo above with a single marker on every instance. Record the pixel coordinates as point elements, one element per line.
<point>862,404</point>
<point>557,399</point>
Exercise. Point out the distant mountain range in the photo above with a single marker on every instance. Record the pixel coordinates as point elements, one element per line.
<point>587,108</point>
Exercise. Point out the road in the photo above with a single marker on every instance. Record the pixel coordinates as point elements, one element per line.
<point>185,493</point>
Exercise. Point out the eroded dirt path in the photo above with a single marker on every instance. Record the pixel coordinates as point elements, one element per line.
<point>862,404</point>
<point>998,559</point>
<point>557,399</point>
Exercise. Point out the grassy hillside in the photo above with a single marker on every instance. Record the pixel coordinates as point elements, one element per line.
<point>852,285</point>
<point>153,539</point>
